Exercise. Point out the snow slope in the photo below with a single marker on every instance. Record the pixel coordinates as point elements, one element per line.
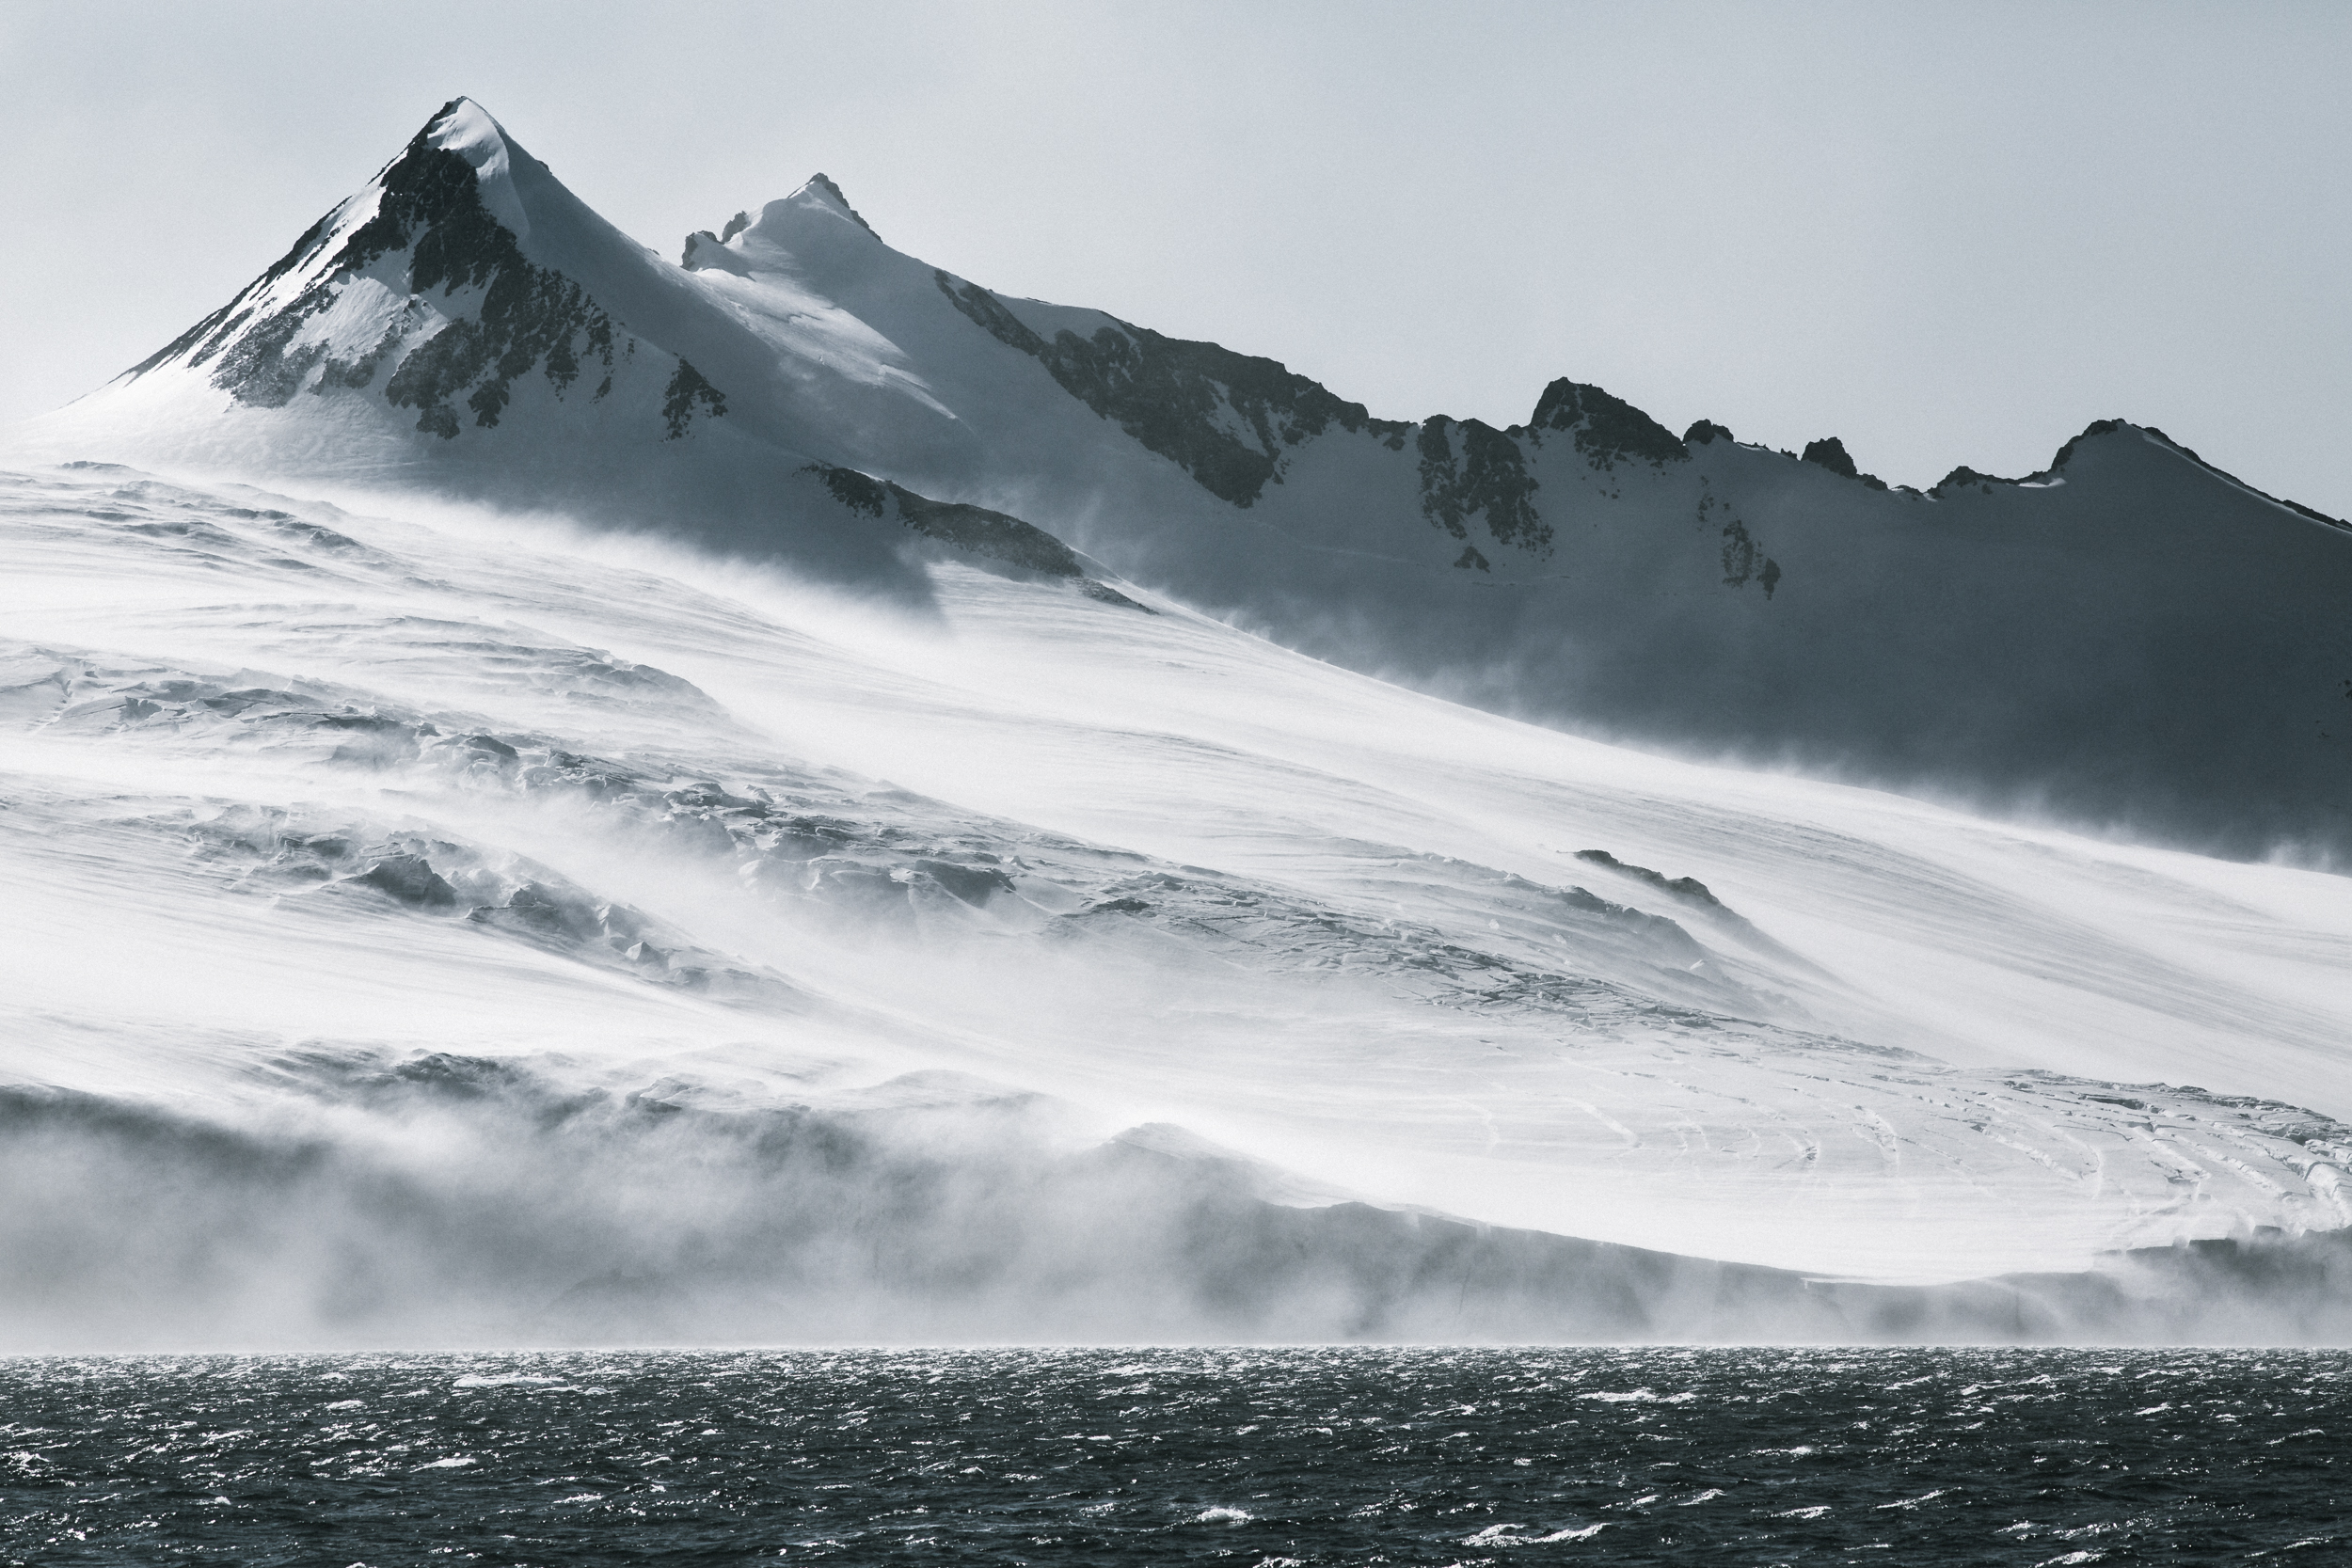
<point>2131,641</point>
<point>311,812</point>
<point>467,290</point>
<point>668,847</point>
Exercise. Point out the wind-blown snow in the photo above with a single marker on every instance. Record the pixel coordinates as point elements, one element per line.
<point>284,779</point>
<point>435,921</point>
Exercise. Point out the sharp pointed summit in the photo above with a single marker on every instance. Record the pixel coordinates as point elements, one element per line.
<point>466,326</point>
<point>832,192</point>
<point>793,224</point>
<point>466,129</point>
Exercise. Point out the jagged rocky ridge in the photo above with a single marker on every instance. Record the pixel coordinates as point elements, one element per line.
<point>465,293</point>
<point>429,222</point>
<point>2133,639</point>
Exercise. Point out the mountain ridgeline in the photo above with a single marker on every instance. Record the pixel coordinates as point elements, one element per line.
<point>2131,640</point>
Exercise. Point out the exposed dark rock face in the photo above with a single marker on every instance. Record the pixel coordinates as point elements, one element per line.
<point>1829,452</point>
<point>975,884</point>
<point>1740,554</point>
<point>858,492</point>
<point>1489,477</point>
<point>210,331</point>
<point>2096,427</point>
<point>1689,889</point>
<point>1962,477</point>
<point>984,532</point>
<point>688,388</point>
<point>1705,433</point>
<point>1438,475</point>
<point>822,183</point>
<point>410,880</point>
<point>1696,895</point>
<point>257,369</point>
<point>1495,481</point>
<point>528,318</point>
<point>1743,557</point>
<point>1608,430</point>
<point>996,535</point>
<point>1181,399</point>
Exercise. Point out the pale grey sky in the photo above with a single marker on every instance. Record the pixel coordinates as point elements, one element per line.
<point>1948,233</point>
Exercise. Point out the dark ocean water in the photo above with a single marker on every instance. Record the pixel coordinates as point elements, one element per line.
<point>1249,1457</point>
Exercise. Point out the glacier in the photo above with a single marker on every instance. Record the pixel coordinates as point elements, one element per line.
<point>553,794</point>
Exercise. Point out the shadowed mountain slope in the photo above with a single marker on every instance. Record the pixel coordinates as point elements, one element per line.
<point>2131,640</point>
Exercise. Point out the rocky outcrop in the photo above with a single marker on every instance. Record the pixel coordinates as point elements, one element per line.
<point>1226,419</point>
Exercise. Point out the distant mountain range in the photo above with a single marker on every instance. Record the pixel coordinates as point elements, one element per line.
<point>2130,639</point>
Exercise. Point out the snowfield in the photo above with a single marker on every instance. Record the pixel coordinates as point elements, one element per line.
<point>297,795</point>
<point>551,794</point>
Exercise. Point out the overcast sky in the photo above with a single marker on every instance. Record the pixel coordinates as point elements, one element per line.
<point>1945,233</point>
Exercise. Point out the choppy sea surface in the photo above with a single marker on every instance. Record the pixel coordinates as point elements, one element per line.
<point>1246,1456</point>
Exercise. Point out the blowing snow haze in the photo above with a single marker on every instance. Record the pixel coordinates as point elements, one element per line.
<point>562,792</point>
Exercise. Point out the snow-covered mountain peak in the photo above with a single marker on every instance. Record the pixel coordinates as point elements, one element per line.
<point>467,325</point>
<point>466,128</point>
<point>814,226</point>
<point>822,188</point>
